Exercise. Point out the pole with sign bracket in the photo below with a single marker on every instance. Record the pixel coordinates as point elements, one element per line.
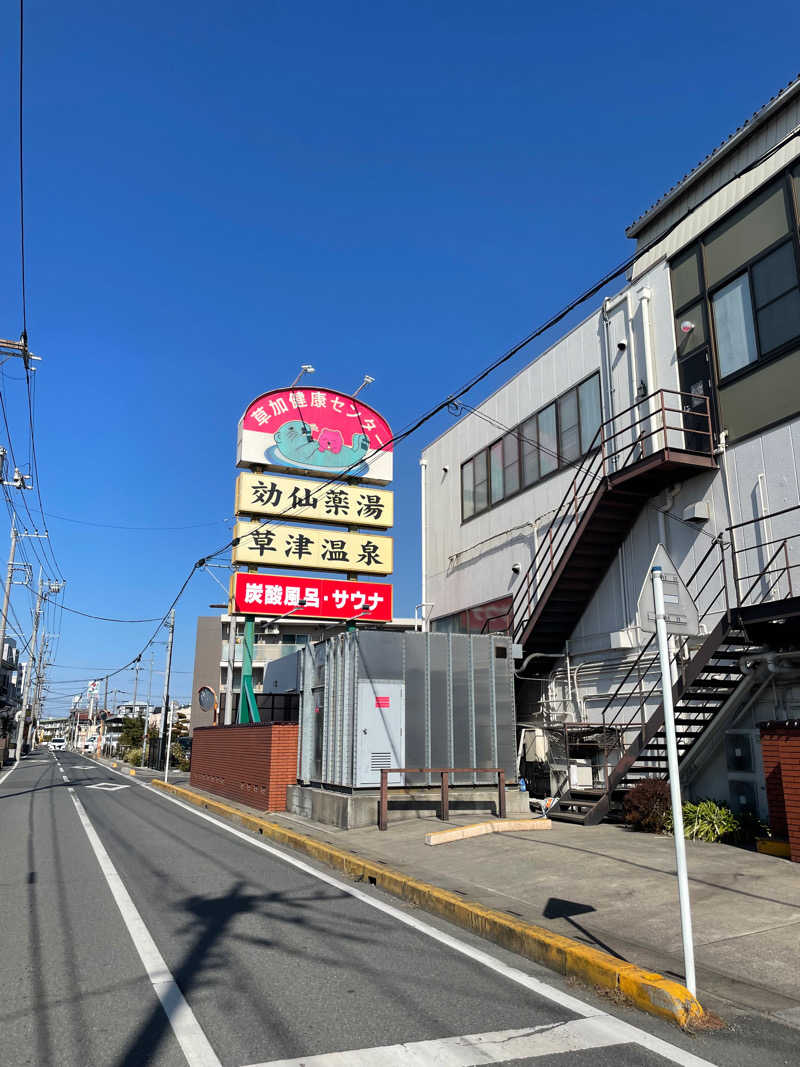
<point>674,780</point>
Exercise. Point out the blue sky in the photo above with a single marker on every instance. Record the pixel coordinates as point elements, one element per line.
<point>216,193</point>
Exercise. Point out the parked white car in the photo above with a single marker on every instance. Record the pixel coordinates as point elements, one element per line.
<point>58,743</point>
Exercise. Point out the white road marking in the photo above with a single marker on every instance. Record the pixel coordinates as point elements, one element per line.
<point>498,1047</point>
<point>193,1041</point>
<point>109,787</point>
<point>8,772</point>
<point>625,1032</point>
<point>65,777</point>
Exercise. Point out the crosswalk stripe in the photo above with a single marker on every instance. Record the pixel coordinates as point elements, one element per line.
<point>470,1050</point>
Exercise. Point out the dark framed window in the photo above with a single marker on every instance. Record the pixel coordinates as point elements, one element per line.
<point>552,438</point>
<point>738,286</point>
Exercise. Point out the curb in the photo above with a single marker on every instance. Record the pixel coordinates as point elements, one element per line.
<point>479,829</point>
<point>646,990</point>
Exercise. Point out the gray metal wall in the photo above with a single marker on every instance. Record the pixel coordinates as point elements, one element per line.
<point>459,702</point>
<point>206,666</point>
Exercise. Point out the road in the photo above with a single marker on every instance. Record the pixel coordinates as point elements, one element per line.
<point>137,930</point>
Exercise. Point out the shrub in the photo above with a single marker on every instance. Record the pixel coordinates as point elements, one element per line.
<point>708,821</point>
<point>750,829</point>
<point>134,757</point>
<point>647,806</point>
<point>178,757</point>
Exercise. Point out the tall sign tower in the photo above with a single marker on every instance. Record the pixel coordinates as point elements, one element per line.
<point>311,498</point>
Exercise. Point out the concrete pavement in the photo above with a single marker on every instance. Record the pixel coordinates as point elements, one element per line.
<point>616,891</point>
<point>272,960</point>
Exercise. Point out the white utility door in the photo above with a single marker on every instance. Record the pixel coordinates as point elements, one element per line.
<point>381,731</point>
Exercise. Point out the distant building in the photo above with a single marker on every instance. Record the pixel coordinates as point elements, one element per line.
<point>218,659</point>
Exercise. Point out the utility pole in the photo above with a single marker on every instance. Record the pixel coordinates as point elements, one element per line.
<point>168,666</point>
<point>33,660</point>
<point>7,591</point>
<point>137,666</point>
<point>150,682</point>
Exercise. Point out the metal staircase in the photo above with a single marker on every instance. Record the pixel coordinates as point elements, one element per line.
<point>633,456</point>
<point>630,734</point>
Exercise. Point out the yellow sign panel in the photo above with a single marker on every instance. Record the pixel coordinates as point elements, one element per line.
<point>304,500</point>
<point>312,547</point>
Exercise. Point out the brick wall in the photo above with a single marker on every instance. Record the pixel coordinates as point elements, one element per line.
<point>780,749</point>
<point>250,764</point>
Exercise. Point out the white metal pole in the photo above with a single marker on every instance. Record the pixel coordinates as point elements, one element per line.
<point>674,782</point>
<point>167,667</point>
<point>423,482</point>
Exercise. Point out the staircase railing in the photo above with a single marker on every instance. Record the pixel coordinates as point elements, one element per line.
<point>644,428</point>
<point>774,576</point>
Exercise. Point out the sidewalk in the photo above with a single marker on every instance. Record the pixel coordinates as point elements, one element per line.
<point>614,890</point>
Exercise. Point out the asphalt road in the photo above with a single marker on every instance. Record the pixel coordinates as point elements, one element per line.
<point>136,930</point>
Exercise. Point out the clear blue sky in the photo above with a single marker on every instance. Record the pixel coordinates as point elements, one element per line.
<point>216,193</point>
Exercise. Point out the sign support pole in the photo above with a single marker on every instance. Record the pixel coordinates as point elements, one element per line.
<point>247,699</point>
<point>674,782</point>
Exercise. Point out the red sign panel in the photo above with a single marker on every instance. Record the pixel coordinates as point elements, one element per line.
<point>278,594</point>
<point>382,703</point>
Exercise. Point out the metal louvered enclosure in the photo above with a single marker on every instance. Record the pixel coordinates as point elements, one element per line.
<point>375,699</point>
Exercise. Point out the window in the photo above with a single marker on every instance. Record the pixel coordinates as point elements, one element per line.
<point>496,471</point>
<point>777,298</point>
<point>590,413</point>
<point>481,482</point>
<point>556,436</point>
<point>530,451</point>
<point>758,312</point>
<point>738,284</point>
<point>548,440</point>
<point>511,463</point>
<point>468,489</point>
<point>569,435</point>
<point>733,320</point>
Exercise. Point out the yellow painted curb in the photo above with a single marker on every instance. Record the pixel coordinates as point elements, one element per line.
<point>113,764</point>
<point>774,848</point>
<point>478,829</point>
<point>132,771</point>
<point>648,991</point>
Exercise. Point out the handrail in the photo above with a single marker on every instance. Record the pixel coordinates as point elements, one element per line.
<point>595,467</point>
<point>445,772</point>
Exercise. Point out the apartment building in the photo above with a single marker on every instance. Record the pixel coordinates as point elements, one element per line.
<point>668,419</point>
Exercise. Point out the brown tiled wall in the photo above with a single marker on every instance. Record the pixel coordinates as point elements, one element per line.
<point>780,749</point>
<point>250,764</point>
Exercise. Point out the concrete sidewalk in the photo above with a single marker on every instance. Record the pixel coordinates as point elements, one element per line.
<point>616,891</point>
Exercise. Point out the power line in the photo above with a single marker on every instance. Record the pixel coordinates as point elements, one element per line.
<point>21,182</point>
<point>456,396</point>
<point>143,529</point>
<point>102,618</point>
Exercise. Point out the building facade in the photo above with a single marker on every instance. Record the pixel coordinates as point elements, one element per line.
<point>669,417</point>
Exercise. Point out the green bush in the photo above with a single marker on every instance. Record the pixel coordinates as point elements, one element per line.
<point>134,757</point>
<point>178,758</point>
<point>750,829</point>
<point>708,821</point>
<point>647,806</point>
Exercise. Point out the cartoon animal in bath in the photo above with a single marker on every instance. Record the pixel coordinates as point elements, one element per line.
<point>304,445</point>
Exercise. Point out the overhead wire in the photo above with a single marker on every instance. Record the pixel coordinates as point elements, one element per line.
<point>478,377</point>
